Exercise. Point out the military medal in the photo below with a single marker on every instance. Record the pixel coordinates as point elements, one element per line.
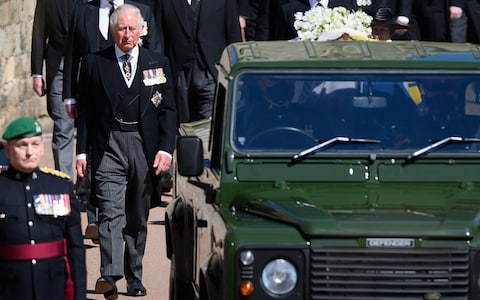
<point>52,204</point>
<point>157,99</point>
<point>153,77</point>
<point>364,2</point>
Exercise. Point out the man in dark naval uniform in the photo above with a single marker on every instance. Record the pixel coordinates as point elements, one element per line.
<point>42,255</point>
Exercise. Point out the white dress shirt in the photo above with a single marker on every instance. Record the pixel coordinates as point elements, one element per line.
<point>133,61</point>
<point>314,2</point>
<point>103,17</point>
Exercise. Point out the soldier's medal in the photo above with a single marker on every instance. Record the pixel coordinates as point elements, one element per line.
<point>364,2</point>
<point>154,76</point>
<point>52,204</point>
<point>157,99</point>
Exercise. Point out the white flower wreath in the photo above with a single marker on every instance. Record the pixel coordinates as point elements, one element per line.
<point>323,24</point>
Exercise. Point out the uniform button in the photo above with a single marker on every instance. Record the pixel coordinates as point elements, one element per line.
<point>27,187</point>
<point>34,261</point>
<point>30,223</point>
<point>32,242</point>
<point>29,205</point>
<point>2,216</point>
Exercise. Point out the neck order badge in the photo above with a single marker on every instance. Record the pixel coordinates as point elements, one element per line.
<point>127,66</point>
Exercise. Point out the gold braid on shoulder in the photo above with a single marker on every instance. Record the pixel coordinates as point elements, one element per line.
<point>54,173</point>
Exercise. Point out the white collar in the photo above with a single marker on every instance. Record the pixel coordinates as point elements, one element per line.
<point>324,3</point>
<point>133,53</point>
<point>116,3</point>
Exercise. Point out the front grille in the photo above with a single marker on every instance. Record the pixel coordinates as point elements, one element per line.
<point>388,274</point>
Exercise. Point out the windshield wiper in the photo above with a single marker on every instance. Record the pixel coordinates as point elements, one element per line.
<point>435,146</point>
<point>336,140</point>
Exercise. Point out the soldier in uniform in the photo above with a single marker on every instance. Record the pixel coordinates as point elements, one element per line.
<point>42,255</point>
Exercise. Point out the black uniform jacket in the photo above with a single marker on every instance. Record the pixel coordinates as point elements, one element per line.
<point>21,222</point>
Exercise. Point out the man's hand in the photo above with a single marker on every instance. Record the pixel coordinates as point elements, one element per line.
<point>243,25</point>
<point>81,167</point>
<point>39,86</point>
<point>455,12</point>
<point>242,21</point>
<point>71,110</point>
<point>161,163</point>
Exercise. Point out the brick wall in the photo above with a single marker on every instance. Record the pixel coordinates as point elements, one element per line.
<point>16,93</point>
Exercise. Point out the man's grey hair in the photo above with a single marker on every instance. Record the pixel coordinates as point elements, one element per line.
<point>123,8</point>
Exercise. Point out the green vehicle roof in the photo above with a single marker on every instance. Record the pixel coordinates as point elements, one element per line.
<point>350,54</point>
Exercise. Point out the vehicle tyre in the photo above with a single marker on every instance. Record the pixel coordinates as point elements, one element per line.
<point>179,289</point>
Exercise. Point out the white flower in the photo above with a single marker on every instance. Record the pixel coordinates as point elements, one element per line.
<point>143,33</point>
<point>144,29</point>
<point>321,24</point>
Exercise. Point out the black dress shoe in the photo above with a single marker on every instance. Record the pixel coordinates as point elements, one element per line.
<point>135,288</point>
<point>106,286</point>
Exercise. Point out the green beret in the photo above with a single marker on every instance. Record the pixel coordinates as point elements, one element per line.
<point>21,128</point>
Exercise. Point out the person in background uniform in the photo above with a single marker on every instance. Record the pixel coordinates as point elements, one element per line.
<point>196,33</point>
<point>127,125</point>
<point>42,255</point>
<point>49,37</point>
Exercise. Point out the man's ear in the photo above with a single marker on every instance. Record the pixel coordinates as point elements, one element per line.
<point>6,147</point>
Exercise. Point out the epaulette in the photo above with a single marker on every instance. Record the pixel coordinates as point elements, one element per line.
<point>54,173</point>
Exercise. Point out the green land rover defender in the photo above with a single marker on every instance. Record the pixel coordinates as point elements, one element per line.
<point>332,170</point>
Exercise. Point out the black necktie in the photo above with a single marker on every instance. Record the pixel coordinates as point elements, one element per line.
<point>318,4</point>
<point>127,66</point>
<point>111,8</point>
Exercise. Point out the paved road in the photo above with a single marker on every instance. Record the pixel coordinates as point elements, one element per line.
<point>156,265</point>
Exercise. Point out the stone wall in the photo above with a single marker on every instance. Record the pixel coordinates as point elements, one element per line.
<point>16,86</point>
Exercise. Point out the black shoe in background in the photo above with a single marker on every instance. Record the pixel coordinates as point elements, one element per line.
<point>135,288</point>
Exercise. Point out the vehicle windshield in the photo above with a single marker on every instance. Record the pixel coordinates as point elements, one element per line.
<point>402,112</point>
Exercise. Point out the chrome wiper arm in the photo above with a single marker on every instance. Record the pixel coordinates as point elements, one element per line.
<point>339,139</point>
<point>438,145</point>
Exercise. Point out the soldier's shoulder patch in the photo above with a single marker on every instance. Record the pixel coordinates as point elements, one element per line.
<point>54,173</point>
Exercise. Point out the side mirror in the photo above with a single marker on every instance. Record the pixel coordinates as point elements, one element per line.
<point>189,156</point>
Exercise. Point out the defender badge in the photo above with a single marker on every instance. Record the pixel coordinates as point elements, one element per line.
<point>389,243</point>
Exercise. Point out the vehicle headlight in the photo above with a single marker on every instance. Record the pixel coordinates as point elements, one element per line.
<point>279,277</point>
